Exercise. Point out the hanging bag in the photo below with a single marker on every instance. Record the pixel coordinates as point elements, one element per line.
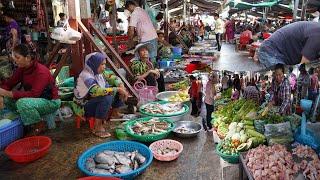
<point>145,93</point>
<point>66,34</point>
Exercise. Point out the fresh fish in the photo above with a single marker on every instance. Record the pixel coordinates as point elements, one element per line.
<point>122,159</point>
<point>107,152</point>
<point>105,159</point>
<point>128,154</point>
<point>123,169</point>
<point>103,166</point>
<point>153,126</point>
<point>100,171</point>
<point>136,165</point>
<point>141,159</point>
<point>90,164</point>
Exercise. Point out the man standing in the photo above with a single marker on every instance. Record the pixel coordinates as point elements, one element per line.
<point>218,29</point>
<point>295,43</point>
<point>146,32</point>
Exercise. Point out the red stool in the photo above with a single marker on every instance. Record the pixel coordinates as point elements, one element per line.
<point>91,121</point>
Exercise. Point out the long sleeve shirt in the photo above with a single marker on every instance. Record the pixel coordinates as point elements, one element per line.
<point>194,90</point>
<point>281,95</point>
<point>35,80</point>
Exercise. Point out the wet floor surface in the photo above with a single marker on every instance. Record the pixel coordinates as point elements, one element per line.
<point>197,161</point>
<point>235,61</point>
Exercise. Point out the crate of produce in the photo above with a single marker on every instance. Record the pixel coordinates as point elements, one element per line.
<point>10,133</point>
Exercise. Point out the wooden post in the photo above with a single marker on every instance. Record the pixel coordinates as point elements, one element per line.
<point>85,12</point>
<point>113,20</point>
<point>77,58</point>
<point>44,5</point>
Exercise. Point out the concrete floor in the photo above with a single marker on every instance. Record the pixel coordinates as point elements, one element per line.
<point>235,61</point>
<point>198,160</point>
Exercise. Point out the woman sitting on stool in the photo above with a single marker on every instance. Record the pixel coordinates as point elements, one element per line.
<point>95,91</point>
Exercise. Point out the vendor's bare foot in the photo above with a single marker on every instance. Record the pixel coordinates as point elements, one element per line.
<point>101,132</point>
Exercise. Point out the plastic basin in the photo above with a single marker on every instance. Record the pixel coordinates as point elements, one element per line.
<point>166,143</point>
<point>28,149</point>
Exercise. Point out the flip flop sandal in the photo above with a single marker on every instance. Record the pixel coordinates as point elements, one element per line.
<point>101,134</point>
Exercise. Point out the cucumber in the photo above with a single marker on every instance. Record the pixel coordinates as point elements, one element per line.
<point>248,122</point>
<point>253,133</point>
<point>249,127</point>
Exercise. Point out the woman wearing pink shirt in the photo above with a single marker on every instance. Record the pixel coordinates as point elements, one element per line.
<point>209,98</point>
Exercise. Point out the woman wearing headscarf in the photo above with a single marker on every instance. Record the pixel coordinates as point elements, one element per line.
<point>99,90</point>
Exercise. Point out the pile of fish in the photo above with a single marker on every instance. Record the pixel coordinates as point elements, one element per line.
<point>271,162</point>
<point>166,109</point>
<point>153,126</point>
<point>310,165</point>
<point>175,73</point>
<point>167,151</point>
<point>184,130</point>
<point>113,162</point>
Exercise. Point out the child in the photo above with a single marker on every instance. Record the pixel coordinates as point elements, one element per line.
<point>209,98</point>
<point>62,20</point>
<point>194,95</point>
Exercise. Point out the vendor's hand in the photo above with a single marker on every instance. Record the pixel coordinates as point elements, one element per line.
<point>3,92</point>
<point>123,94</point>
<point>156,72</point>
<point>270,104</point>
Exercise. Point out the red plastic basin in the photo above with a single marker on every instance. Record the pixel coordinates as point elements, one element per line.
<point>28,149</point>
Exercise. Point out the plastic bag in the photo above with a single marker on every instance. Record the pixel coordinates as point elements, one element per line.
<point>259,126</point>
<point>278,130</point>
<point>66,34</point>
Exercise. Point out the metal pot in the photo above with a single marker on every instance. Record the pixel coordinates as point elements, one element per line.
<point>188,125</point>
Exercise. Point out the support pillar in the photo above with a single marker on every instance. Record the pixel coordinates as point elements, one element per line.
<point>295,10</point>
<point>166,21</point>
<point>184,11</point>
<point>85,14</point>
<point>76,55</point>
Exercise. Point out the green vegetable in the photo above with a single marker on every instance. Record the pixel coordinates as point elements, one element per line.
<point>256,141</point>
<point>253,133</point>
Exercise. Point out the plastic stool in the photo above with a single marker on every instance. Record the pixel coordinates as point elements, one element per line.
<point>91,121</point>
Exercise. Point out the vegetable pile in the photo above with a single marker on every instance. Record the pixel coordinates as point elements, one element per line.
<point>241,137</point>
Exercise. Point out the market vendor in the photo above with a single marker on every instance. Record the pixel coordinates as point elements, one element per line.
<point>164,48</point>
<point>143,67</point>
<point>251,92</point>
<point>295,43</point>
<point>12,35</point>
<point>98,91</point>
<point>280,93</point>
<point>141,22</point>
<point>39,96</point>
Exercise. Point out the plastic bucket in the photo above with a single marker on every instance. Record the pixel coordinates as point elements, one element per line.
<point>165,64</point>
<point>306,105</point>
<point>177,51</point>
<point>35,36</point>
